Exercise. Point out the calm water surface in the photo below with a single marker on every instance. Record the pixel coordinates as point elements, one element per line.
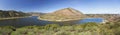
<point>34,21</point>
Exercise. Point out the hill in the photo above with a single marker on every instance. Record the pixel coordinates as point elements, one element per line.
<point>11,13</point>
<point>65,14</point>
<point>36,13</point>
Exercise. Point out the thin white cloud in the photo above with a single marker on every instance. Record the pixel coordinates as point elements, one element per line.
<point>102,11</point>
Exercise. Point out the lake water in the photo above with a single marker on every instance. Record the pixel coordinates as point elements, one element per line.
<point>97,20</point>
<point>34,21</point>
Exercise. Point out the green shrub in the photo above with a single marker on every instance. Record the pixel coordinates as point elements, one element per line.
<point>55,29</point>
<point>6,30</point>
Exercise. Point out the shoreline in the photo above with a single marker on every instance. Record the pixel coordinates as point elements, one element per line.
<point>104,21</point>
<point>58,20</point>
<point>13,18</point>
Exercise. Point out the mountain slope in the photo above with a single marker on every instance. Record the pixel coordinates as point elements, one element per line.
<point>11,13</point>
<point>65,14</point>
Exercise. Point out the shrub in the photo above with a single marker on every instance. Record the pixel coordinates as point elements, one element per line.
<point>6,30</point>
<point>55,29</point>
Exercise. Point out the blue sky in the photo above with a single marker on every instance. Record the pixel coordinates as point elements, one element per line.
<point>46,6</point>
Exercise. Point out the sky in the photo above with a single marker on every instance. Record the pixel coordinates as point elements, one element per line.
<point>48,6</point>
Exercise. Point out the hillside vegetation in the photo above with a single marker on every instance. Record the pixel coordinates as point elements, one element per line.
<point>11,13</point>
<point>55,29</point>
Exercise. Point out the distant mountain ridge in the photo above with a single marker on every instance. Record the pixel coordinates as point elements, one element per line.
<point>65,14</point>
<point>11,13</point>
<point>36,13</point>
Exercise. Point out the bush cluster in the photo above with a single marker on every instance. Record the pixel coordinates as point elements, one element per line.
<point>55,29</point>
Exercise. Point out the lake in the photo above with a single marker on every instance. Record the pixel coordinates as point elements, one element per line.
<point>30,21</point>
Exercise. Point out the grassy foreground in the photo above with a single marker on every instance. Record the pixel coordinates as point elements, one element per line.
<point>55,29</point>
